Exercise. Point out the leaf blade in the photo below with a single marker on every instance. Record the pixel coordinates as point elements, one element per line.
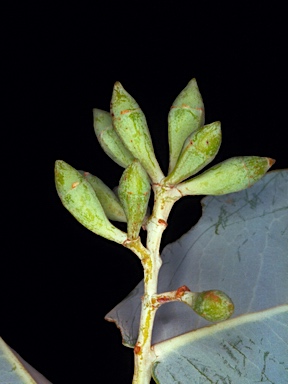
<point>235,351</point>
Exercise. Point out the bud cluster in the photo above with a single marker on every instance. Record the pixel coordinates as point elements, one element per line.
<point>124,135</point>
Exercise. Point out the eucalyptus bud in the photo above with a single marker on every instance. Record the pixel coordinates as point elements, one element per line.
<point>109,140</point>
<point>212,305</point>
<point>185,116</point>
<point>231,175</point>
<point>134,193</point>
<point>79,198</point>
<point>199,149</point>
<point>109,201</point>
<point>130,123</point>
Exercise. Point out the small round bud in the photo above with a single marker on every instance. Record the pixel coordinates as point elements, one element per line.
<point>213,305</point>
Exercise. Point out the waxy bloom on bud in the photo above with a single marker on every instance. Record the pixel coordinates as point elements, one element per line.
<point>231,175</point>
<point>109,140</point>
<point>109,201</point>
<point>199,149</point>
<point>130,124</point>
<point>212,305</point>
<point>134,193</point>
<point>79,198</point>
<point>185,116</point>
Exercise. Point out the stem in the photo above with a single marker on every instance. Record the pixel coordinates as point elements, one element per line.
<point>151,261</point>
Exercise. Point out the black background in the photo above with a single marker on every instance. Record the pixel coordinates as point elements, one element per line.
<point>57,279</point>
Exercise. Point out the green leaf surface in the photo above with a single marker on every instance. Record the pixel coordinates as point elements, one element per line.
<point>238,246</point>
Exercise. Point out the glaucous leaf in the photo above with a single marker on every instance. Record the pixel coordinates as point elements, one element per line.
<point>239,246</point>
<point>248,349</point>
<point>15,370</point>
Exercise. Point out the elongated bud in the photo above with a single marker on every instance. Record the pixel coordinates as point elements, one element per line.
<point>130,124</point>
<point>147,214</point>
<point>109,201</point>
<point>199,149</point>
<point>134,192</point>
<point>185,116</point>
<point>213,305</point>
<point>109,140</point>
<point>231,175</point>
<point>79,198</point>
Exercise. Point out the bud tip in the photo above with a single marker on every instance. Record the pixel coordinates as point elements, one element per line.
<point>271,161</point>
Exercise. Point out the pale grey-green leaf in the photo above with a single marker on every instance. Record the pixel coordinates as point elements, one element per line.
<point>249,349</point>
<point>238,246</point>
<point>15,370</point>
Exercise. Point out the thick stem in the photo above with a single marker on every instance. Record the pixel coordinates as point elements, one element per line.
<point>151,261</point>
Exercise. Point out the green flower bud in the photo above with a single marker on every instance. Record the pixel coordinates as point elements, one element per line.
<point>185,116</point>
<point>109,201</point>
<point>231,175</point>
<point>110,142</point>
<point>79,198</point>
<point>212,305</point>
<point>130,123</point>
<point>199,149</point>
<point>134,193</point>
